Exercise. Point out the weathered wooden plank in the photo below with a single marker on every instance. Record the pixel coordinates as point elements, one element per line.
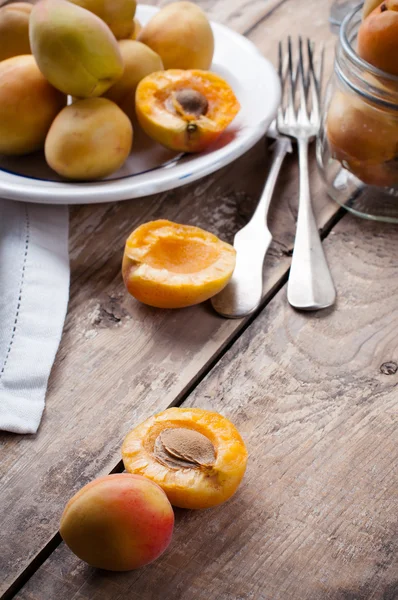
<point>315,398</point>
<point>120,361</point>
<point>239,16</point>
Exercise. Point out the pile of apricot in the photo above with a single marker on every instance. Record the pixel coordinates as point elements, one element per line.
<point>363,135</point>
<point>185,457</point>
<point>86,49</point>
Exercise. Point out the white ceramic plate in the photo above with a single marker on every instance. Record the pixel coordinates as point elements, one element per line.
<point>152,168</point>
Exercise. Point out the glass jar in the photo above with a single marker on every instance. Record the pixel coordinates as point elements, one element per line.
<point>357,147</point>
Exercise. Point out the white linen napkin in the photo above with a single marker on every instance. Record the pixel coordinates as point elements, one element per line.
<point>34,292</point>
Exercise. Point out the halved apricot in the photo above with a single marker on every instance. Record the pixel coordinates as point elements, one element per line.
<point>196,456</point>
<point>185,110</point>
<point>168,265</point>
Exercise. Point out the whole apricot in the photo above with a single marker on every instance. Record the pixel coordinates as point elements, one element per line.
<point>90,139</point>
<point>378,37</point>
<point>118,522</point>
<point>363,138</point>
<point>117,14</point>
<point>14,29</point>
<point>182,36</point>
<point>197,456</point>
<point>139,61</point>
<point>358,130</point>
<point>185,110</point>
<point>75,50</point>
<point>28,105</point>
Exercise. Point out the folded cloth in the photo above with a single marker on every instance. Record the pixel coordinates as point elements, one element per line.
<point>34,292</point>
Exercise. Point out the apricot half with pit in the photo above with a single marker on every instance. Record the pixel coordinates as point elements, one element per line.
<point>168,265</point>
<point>196,456</point>
<point>378,37</point>
<point>118,522</point>
<point>185,110</point>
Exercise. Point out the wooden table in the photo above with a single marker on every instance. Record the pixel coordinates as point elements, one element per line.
<point>314,396</point>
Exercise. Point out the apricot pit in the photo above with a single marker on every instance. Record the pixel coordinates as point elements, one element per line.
<point>179,447</point>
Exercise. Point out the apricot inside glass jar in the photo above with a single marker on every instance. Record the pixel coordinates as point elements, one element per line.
<point>185,110</point>
<point>196,456</point>
<point>357,147</point>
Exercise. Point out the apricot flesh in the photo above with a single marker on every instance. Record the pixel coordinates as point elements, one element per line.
<point>89,139</point>
<point>197,456</point>
<point>363,138</point>
<point>182,36</point>
<point>118,522</point>
<point>28,106</point>
<point>117,14</point>
<point>14,29</point>
<point>168,265</point>
<point>378,37</point>
<point>74,49</point>
<point>185,111</point>
<point>139,61</point>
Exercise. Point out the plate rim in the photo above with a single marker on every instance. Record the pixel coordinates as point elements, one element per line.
<point>94,192</point>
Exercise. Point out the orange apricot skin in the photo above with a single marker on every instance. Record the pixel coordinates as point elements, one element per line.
<point>189,488</point>
<point>378,37</point>
<point>364,139</point>
<point>118,522</point>
<point>190,134</point>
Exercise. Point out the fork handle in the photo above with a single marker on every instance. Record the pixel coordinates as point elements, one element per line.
<point>244,292</point>
<point>310,285</point>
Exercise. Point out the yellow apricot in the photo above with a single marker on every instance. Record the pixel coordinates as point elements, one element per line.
<point>168,265</point>
<point>139,61</point>
<point>74,49</point>
<point>196,456</point>
<point>89,139</point>
<point>28,105</point>
<point>14,29</point>
<point>182,36</point>
<point>117,14</point>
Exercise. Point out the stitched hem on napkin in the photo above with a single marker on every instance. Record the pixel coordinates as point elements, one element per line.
<point>34,292</point>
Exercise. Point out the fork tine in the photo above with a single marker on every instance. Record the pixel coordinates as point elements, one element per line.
<point>303,112</point>
<point>316,84</point>
<point>279,117</point>
<point>291,84</point>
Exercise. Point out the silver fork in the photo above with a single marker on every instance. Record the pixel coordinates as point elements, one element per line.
<point>244,292</point>
<point>310,285</point>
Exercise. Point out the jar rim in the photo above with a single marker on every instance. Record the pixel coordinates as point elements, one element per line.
<point>352,54</point>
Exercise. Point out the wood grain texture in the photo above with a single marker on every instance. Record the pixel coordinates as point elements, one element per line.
<point>316,517</point>
<point>120,361</point>
<point>241,16</point>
